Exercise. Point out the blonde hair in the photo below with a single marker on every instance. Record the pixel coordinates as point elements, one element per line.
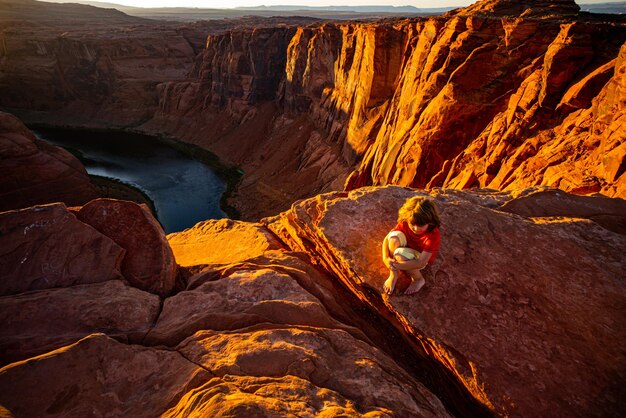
<point>419,210</point>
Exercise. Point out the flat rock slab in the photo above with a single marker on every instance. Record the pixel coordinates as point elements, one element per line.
<point>36,322</point>
<point>220,241</point>
<point>44,247</point>
<point>149,263</point>
<point>527,312</point>
<point>98,376</point>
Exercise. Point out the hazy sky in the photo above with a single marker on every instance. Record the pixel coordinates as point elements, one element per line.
<point>222,4</point>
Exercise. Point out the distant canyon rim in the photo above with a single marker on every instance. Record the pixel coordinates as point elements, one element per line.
<point>499,95</point>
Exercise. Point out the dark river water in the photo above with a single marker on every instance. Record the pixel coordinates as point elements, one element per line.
<point>184,191</point>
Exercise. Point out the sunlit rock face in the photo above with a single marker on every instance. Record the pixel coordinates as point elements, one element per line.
<point>35,172</point>
<point>491,102</point>
<point>534,8</point>
<point>526,310</point>
<point>213,241</point>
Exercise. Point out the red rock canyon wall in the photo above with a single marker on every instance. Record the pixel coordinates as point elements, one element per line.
<point>501,95</point>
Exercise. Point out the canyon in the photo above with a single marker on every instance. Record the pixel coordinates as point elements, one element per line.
<point>522,314</point>
<point>508,115</point>
<point>502,95</point>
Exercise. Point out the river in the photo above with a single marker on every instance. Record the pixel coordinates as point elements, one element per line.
<point>184,191</point>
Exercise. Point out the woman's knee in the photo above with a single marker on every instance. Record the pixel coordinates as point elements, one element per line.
<point>399,257</point>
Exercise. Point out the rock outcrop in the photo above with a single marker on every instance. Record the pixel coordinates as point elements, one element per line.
<point>34,172</point>
<point>98,376</point>
<point>215,241</point>
<point>522,314</point>
<point>260,333</point>
<point>528,312</point>
<point>33,323</point>
<point>43,247</point>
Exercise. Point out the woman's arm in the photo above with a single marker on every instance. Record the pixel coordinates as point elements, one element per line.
<point>386,256</point>
<point>418,264</point>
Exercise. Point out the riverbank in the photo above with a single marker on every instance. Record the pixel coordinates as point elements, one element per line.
<point>229,174</point>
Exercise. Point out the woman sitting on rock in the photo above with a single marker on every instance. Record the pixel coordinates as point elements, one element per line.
<point>413,243</point>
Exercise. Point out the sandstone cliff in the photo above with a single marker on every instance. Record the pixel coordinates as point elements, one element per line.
<point>501,94</point>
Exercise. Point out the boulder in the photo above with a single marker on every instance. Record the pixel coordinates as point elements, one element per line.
<point>148,263</point>
<point>36,322</point>
<point>528,313</point>
<point>98,376</point>
<point>44,247</point>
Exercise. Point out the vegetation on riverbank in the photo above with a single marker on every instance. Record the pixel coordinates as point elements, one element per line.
<point>116,189</point>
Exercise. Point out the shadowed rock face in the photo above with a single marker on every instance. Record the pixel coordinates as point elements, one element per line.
<point>502,94</point>
<point>34,172</point>
<point>148,263</point>
<point>36,322</point>
<point>98,376</point>
<point>43,247</point>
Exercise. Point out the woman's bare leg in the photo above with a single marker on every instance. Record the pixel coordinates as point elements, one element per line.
<point>417,282</point>
<point>390,283</point>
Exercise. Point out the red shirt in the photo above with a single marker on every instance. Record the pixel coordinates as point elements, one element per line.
<point>426,241</point>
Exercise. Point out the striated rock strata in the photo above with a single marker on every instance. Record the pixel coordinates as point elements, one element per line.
<point>501,94</point>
